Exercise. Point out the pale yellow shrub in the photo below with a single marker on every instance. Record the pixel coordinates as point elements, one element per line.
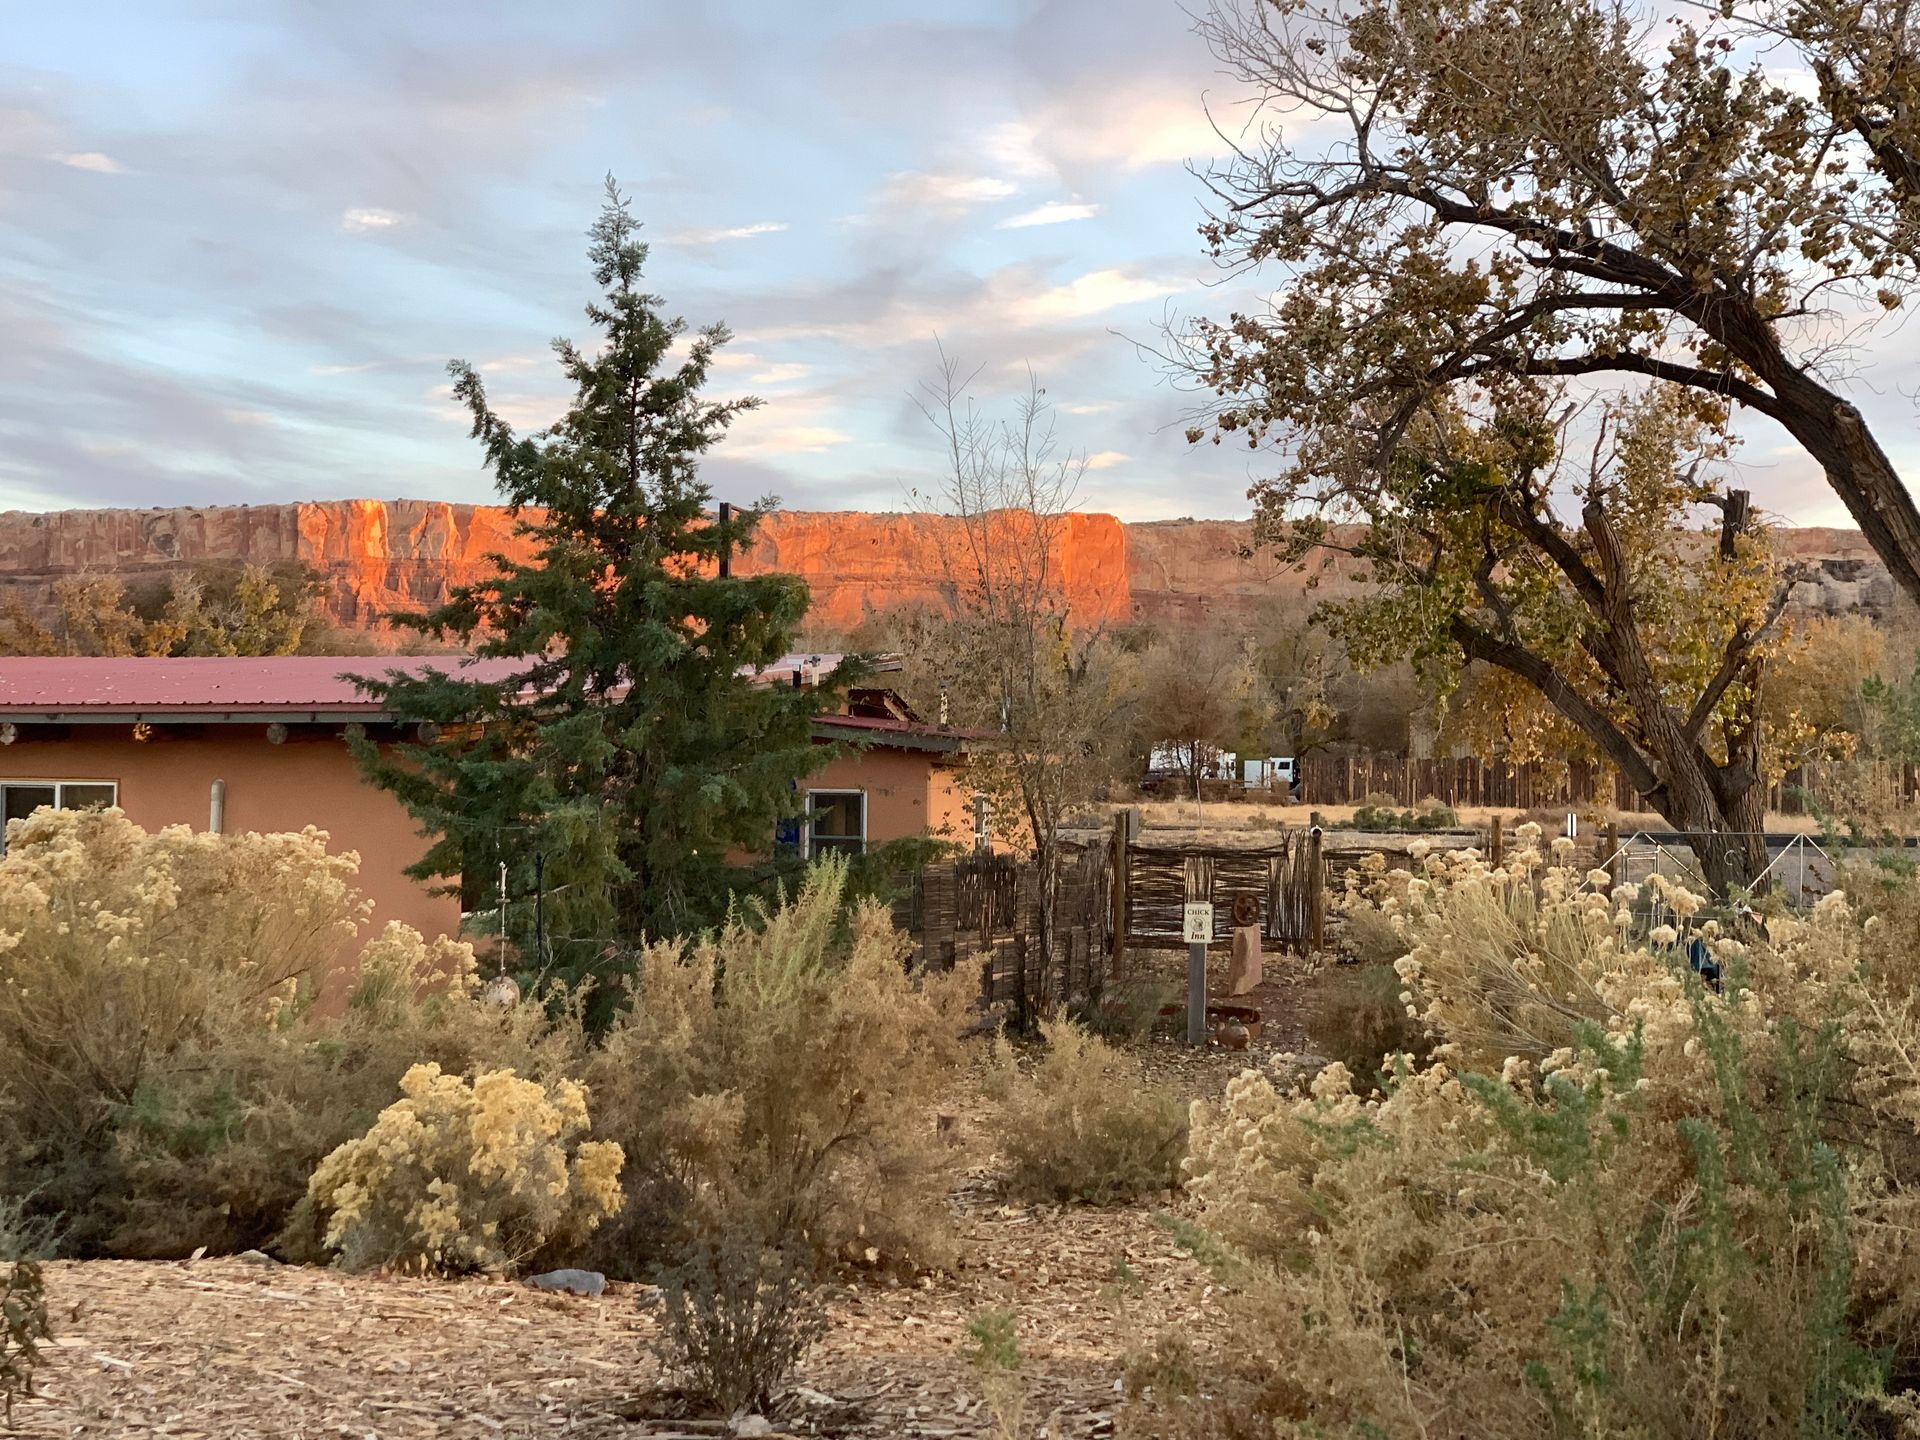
<point>1081,1123</point>
<point>119,949</point>
<point>461,1176</point>
<point>165,1081</point>
<point>1616,1203</point>
<point>778,1084</point>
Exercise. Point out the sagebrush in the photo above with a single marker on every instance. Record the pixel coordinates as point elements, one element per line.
<point>1081,1122</point>
<point>779,1080</point>
<point>167,1080</point>
<point>739,1316</point>
<point>1677,1212</point>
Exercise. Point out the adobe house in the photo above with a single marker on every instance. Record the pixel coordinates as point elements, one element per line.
<point>259,744</point>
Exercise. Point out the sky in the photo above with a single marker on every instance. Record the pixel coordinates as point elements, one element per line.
<point>239,242</point>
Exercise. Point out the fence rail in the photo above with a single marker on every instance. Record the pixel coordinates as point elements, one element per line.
<point>1839,786</point>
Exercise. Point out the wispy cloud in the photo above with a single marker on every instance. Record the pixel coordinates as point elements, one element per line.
<point>1106,459</point>
<point>1054,212</point>
<point>1096,409</point>
<point>779,374</point>
<point>365,220</point>
<point>732,232</point>
<point>1097,291</point>
<point>92,160</point>
<point>943,194</point>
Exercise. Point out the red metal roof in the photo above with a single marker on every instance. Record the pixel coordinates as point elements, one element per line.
<point>272,684</point>
<point>310,687</point>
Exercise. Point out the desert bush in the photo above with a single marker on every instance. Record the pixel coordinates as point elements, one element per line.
<point>119,949</point>
<point>221,1145</point>
<point>23,1329</point>
<point>24,1234</point>
<point>739,1316</point>
<point>1359,1019</point>
<point>1676,1212</point>
<point>1081,1123</point>
<point>993,1350</point>
<point>461,1176</point>
<point>166,1081</point>
<point>778,1081</point>
<point>1127,1010</point>
<point>1428,815</point>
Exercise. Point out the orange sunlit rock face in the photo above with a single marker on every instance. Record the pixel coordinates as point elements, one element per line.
<point>379,556</point>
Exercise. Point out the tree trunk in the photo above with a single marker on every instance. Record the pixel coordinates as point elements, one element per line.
<point>1833,432</point>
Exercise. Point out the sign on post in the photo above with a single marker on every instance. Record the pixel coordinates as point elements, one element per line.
<point>1196,926</point>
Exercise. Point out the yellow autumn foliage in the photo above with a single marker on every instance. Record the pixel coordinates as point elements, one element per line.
<point>459,1176</point>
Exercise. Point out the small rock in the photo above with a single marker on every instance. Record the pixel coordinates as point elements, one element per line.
<point>752,1427</point>
<point>255,1257</point>
<point>571,1282</point>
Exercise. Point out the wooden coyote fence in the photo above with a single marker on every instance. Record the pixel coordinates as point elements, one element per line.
<point>1287,882</point>
<point>990,904</point>
<point>1467,781</point>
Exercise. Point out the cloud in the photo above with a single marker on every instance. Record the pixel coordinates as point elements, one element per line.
<point>1106,459</point>
<point>1096,409</point>
<point>1015,149</point>
<point>92,160</point>
<point>788,440</point>
<point>1054,212</point>
<point>364,220</point>
<point>1094,292</point>
<point>912,190</point>
<point>736,232</point>
<point>779,373</point>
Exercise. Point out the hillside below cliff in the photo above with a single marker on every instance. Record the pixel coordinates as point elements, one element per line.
<point>378,556</point>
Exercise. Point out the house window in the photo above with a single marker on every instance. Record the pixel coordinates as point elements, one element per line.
<point>836,820</point>
<point>20,798</point>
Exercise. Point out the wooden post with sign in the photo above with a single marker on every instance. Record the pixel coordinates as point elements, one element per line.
<point>1197,931</point>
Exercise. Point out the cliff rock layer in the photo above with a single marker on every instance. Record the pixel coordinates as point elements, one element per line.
<point>384,555</point>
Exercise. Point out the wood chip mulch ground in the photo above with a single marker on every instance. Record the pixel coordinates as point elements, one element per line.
<point>227,1348</point>
<point>219,1348</point>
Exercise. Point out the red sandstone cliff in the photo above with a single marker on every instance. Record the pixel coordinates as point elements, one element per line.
<point>383,555</point>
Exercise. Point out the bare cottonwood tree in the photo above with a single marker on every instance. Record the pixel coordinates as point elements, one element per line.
<point>1015,657</point>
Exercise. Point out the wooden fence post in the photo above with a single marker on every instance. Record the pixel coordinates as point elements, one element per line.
<point>1117,889</point>
<point>1317,891</point>
<point>1496,844</point>
<point>1612,857</point>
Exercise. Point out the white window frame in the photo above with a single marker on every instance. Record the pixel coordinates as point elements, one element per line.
<point>806,818</point>
<point>59,788</point>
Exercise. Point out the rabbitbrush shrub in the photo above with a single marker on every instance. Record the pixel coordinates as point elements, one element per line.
<point>459,1176</point>
<point>1615,1203</point>
<point>776,1085</point>
<point>166,1082</point>
<point>1081,1123</point>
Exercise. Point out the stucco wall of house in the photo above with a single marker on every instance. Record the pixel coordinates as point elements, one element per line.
<point>909,793</point>
<point>306,781</point>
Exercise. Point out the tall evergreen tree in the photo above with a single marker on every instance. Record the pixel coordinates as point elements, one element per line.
<point>615,769</point>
